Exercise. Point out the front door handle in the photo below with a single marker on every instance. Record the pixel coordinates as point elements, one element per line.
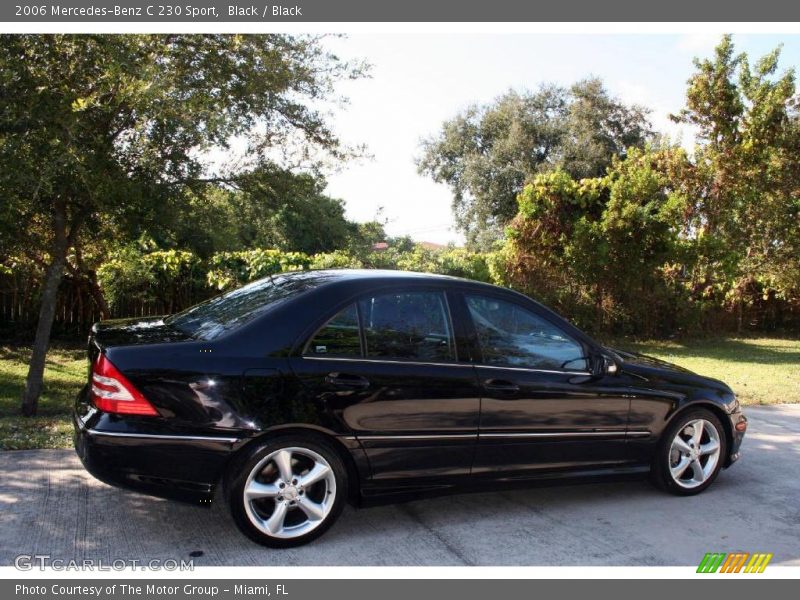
<point>501,385</point>
<point>346,380</point>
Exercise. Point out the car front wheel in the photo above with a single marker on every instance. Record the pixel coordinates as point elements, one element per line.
<point>691,453</point>
<point>288,491</point>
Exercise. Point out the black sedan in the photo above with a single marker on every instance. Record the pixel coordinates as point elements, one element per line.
<point>299,392</point>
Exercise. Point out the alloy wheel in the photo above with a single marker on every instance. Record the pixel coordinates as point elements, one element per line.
<point>694,453</point>
<point>290,492</point>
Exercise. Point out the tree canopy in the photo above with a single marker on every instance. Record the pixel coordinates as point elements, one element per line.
<point>487,153</point>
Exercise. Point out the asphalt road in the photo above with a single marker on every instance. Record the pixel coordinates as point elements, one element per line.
<point>50,505</point>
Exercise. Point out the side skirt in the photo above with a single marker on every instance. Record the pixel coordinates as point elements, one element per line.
<point>376,495</point>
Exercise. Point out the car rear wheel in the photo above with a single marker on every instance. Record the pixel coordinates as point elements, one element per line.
<point>288,491</point>
<point>691,453</point>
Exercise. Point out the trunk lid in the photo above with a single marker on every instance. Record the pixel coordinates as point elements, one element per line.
<point>132,332</point>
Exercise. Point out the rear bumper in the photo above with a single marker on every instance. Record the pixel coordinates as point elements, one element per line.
<point>178,467</point>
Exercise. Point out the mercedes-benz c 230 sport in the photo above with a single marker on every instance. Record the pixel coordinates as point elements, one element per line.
<point>300,392</point>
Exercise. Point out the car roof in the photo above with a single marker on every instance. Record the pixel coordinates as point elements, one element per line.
<point>323,278</point>
<point>384,274</point>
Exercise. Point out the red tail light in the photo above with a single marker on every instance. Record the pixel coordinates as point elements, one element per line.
<point>112,392</point>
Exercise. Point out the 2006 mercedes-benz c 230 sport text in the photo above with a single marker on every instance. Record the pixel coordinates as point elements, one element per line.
<point>299,392</point>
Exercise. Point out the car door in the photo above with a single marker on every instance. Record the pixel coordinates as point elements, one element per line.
<point>541,407</point>
<point>399,386</point>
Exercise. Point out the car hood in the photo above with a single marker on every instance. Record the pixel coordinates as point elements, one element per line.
<point>643,360</point>
<point>654,370</point>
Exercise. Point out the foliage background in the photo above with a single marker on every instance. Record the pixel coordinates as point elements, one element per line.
<point>564,193</point>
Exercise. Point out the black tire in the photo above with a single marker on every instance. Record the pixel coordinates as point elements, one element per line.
<point>252,516</point>
<point>665,457</point>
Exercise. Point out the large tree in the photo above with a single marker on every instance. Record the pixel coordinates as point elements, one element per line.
<point>96,130</point>
<point>487,153</point>
<point>743,183</point>
<point>670,239</point>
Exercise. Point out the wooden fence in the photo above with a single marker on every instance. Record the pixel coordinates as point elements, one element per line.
<point>76,310</point>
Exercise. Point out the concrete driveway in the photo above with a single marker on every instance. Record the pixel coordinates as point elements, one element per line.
<point>50,505</point>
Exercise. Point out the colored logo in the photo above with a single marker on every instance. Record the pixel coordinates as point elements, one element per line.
<point>736,562</point>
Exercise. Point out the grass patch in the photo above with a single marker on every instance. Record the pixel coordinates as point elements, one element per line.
<point>760,370</point>
<point>64,375</point>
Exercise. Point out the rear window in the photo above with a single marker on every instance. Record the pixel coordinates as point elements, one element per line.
<point>219,315</point>
<point>339,336</point>
<point>410,325</point>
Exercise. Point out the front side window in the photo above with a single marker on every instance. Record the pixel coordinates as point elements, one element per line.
<point>407,325</point>
<point>512,336</point>
<point>338,337</point>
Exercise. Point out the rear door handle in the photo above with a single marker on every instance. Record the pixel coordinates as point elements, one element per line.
<point>501,385</point>
<point>345,380</point>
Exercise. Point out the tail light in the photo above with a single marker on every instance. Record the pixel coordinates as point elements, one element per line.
<point>112,392</point>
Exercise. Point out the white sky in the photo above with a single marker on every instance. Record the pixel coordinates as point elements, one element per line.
<point>420,80</point>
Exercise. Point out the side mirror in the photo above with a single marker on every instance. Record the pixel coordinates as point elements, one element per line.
<point>609,365</point>
<point>604,365</point>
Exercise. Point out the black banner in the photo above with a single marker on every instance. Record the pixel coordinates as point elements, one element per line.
<point>406,589</point>
<point>408,11</point>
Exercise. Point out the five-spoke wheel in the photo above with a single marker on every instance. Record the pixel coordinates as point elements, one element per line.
<point>694,453</point>
<point>690,454</point>
<point>289,491</point>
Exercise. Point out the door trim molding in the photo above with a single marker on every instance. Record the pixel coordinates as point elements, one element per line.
<point>387,361</point>
<point>511,435</point>
<point>445,436</point>
<point>565,434</point>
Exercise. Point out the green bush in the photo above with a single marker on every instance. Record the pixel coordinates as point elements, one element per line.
<point>165,280</point>
<point>231,269</point>
<point>339,259</point>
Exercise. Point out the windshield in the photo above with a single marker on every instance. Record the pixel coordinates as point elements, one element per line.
<point>221,314</point>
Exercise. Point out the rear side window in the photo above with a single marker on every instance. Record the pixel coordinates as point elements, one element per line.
<point>513,336</point>
<point>338,337</point>
<point>221,314</point>
<point>407,325</point>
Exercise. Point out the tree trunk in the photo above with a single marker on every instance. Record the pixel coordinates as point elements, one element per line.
<point>47,311</point>
<point>89,276</point>
<point>99,298</point>
<point>740,313</point>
